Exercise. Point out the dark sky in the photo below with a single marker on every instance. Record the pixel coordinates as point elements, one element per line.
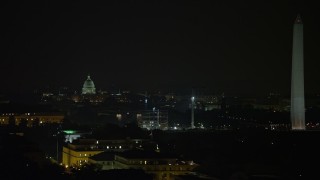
<point>230,46</point>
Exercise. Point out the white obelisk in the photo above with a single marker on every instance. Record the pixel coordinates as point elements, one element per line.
<point>297,78</point>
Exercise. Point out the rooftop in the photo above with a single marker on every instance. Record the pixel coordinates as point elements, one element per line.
<point>104,156</point>
<point>138,154</point>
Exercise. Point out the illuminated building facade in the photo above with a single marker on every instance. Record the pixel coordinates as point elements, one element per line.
<point>31,119</point>
<point>88,86</point>
<point>89,94</point>
<point>78,152</point>
<point>162,166</point>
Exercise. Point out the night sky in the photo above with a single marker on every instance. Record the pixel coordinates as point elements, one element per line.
<point>228,46</point>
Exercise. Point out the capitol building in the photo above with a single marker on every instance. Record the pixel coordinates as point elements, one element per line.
<point>89,93</point>
<point>88,86</point>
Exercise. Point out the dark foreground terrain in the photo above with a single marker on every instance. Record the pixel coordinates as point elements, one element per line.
<point>241,154</point>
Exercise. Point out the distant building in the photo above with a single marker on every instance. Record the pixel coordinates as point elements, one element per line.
<point>31,119</point>
<point>153,119</point>
<point>88,87</point>
<point>88,94</point>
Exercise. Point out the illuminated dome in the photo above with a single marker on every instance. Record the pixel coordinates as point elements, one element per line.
<point>88,87</point>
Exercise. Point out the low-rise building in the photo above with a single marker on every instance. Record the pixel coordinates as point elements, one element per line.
<point>78,152</point>
<point>31,119</point>
<point>161,165</point>
<point>105,160</point>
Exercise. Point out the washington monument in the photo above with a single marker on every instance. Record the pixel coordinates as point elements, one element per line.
<point>297,78</point>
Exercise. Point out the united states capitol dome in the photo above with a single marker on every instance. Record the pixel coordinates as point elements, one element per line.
<point>88,86</point>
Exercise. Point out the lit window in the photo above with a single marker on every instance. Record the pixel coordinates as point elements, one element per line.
<point>119,147</point>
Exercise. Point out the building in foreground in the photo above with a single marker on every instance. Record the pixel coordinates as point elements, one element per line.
<point>160,165</point>
<point>77,153</point>
<point>105,160</point>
